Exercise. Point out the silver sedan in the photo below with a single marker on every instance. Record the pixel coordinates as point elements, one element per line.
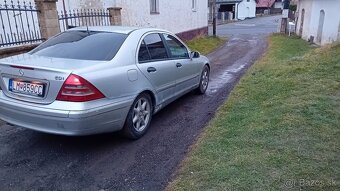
<point>99,79</point>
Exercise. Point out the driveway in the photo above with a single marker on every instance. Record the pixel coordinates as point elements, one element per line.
<point>36,161</point>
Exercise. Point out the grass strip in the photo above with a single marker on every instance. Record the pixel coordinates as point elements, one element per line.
<point>205,45</point>
<point>279,129</point>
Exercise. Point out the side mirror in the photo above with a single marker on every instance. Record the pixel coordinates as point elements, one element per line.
<point>195,55</point>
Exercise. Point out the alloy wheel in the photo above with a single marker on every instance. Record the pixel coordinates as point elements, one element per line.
<point>141,114</point>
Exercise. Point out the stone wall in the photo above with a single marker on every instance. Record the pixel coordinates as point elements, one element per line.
<point>48,18</point>
<point>188,35</point>
<point>11,51</point>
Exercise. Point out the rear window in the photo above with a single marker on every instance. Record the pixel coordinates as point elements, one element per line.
<point>82,45</point>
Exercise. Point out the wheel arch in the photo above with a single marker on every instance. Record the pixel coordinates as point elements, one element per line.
<point>207,64</point>
<point>152,96</point>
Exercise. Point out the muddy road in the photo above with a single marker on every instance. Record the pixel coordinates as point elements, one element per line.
<point>36,161</point>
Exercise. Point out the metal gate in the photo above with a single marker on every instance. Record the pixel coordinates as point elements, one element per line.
<point>84,17</point>
<point>19,23</point>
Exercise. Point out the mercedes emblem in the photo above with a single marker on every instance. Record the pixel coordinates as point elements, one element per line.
<point>21,72</point>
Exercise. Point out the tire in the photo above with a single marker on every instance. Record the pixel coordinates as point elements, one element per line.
<point>139,117</point>
<point>204,81</point>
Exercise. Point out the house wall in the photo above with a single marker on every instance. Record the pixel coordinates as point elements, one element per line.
<point>176,16</point>
<point>307,6</point>
<point>311,23</point>
<point>246,9</point>
<point>278,5</point>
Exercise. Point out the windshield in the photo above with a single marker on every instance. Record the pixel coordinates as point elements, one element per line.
<point>82,45</point>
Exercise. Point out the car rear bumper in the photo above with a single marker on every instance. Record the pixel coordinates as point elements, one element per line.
<point>107,118</point>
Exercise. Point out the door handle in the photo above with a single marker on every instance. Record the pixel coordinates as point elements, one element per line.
<point>151,70</point>
<point>178,65</point>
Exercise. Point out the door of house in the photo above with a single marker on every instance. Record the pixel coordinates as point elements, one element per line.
<point>320,28</point>
<point>302,21</point>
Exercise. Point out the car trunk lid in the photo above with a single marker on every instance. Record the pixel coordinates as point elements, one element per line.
<point>37,79</point>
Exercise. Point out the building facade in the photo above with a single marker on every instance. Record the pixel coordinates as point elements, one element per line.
<point>234,9</point>
<point>246,9</point>
<point>187,18</point>
<point>269,6</point>
<point>319,21</point>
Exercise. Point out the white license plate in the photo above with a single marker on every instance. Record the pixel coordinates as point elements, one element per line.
<point>27,87</point>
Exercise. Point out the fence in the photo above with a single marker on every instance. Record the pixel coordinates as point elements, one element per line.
<point>88,17</point>
<point>19,23</point>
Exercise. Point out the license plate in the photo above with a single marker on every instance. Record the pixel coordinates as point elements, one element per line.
<point>27,87</point>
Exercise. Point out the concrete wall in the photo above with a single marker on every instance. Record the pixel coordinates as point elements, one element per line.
<point>246,9</point>
<point>311,20</point>
<point>176,16</point>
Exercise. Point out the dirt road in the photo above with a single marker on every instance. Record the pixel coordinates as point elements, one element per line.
<point>36,161</point>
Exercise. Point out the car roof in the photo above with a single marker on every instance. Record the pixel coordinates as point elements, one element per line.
<point>115,29</point>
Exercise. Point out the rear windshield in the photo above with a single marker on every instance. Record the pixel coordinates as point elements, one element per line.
<point>82,45</point>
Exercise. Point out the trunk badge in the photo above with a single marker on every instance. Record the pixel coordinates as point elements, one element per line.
<point>21,72</point>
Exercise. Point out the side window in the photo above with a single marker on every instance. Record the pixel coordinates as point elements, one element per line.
<point>154,46</point>
<point>143,54</point>
<point>177,49</point>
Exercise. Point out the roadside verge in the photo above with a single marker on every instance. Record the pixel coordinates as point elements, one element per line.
<point>206,45</point>
<point>278,130</point>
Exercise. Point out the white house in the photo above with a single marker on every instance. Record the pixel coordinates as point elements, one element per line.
<point>237,9</point>
<point>246,9</point>
<point>319,20</point>
<point>187,18</point>
<point>278,4</point>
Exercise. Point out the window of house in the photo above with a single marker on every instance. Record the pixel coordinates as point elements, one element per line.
<point>176,48</point>
<point>152,48</point>
<point>154,6</point>
<point>194,5</point>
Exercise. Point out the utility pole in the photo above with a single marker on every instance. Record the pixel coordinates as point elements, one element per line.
<point>214,17</point>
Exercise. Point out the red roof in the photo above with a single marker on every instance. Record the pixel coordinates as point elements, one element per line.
<point>265,3</point>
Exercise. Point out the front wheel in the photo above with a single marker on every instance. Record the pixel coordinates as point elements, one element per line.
<point>139,117</point>
<point>204,81</point>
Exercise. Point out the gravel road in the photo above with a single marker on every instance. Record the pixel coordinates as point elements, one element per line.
<point>36,161</point>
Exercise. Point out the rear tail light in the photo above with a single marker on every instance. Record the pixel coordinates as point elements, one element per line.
<point>77,89</point>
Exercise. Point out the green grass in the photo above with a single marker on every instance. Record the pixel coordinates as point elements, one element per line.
<point>205,45</point>
<point>280,128</point>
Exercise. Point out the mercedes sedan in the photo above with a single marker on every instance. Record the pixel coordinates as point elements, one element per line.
<point>99,79</point>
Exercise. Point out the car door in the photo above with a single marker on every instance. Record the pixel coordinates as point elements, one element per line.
<point>153,61</point>
<point>188,70</point>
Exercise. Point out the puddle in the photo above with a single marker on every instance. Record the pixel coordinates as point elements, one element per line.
<point>231,72</point>
<point>245,25</point>
<point>224,78</point>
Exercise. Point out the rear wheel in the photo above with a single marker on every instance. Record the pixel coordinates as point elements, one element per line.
<point>204,81</point>
<point>139,117</point>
